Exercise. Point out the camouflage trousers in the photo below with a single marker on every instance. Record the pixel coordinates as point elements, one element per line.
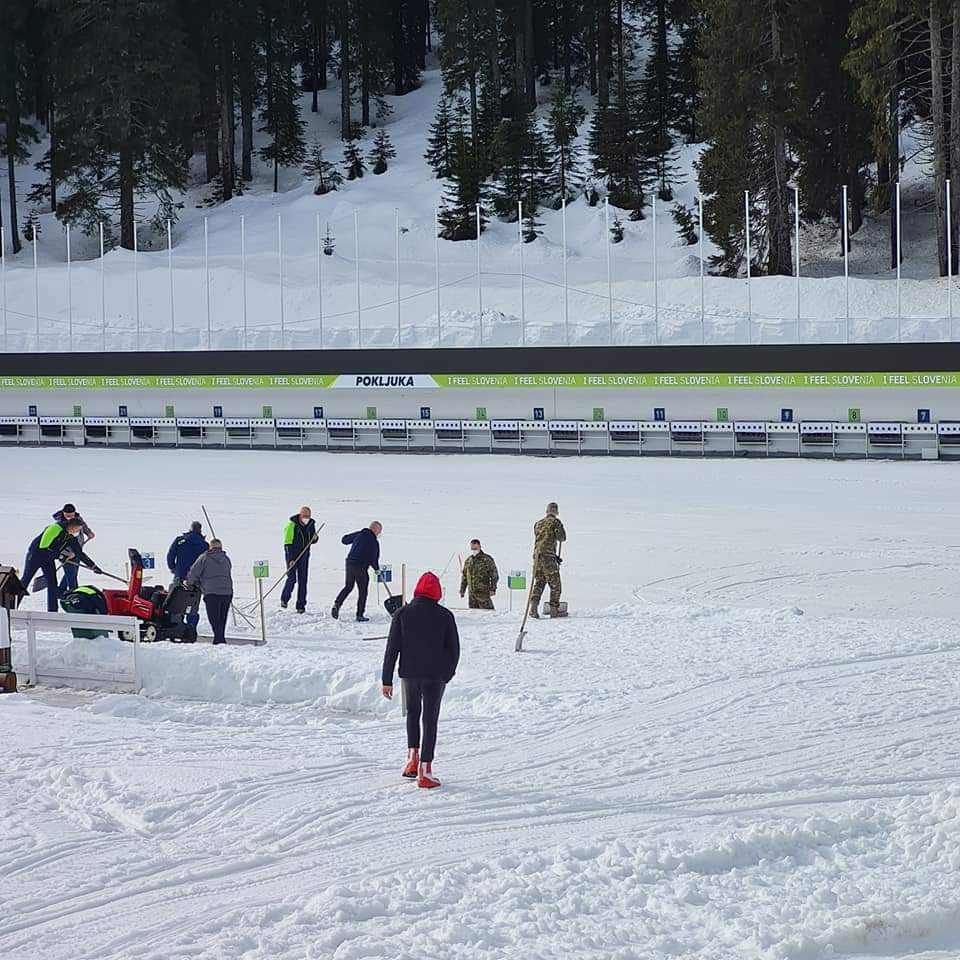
<point>546,573</point>
<point>480,601</point>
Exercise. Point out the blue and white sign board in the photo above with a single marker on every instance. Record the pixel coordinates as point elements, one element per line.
<point>149,563</point>
<point>386,573</point>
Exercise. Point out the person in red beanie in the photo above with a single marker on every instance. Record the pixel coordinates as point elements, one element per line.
<point>424,636</point>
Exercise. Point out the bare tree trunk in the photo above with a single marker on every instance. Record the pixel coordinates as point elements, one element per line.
<point>13,135</point>
<point>125,166</point>
<point>346,123</point>
<point>245,81</point>
<point>939,132</point>
<point>211,119</point>
<point>227,161</point>
<point>530,57</point>
<point>323,36</point>
<point>51,126</point>
<point>955,130</point>
<point>893,162</point>
<point>603,53</point>
<point>778,212</point>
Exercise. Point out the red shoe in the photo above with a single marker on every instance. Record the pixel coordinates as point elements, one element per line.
<point>413,763</point>
<point>426,779</point>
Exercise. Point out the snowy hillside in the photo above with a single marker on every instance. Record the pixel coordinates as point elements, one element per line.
<point>740,745</point>
<point>243,281</point>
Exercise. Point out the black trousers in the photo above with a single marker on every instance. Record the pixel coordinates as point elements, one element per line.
<point>218,606</point>
<point>423,701</point>
<point>357,575</point>
<point>297,574</point>
<point>46,563</point>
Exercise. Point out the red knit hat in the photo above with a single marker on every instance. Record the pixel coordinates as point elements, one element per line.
<point>429,586</point>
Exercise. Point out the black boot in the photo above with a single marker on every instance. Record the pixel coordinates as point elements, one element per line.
<point>335,612</point>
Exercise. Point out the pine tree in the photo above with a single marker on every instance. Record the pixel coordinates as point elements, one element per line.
<point>381,152</point>
<point>281,110</point>
<point>745,116</point>
<point>353,161</point>
<point>686,223</point>
<point>458,211</point>
<point>563,124</point>
<point>31,226</point>
<point>619,156</point>
<point>329,243</point>
<point>523,161</point>
<point>439,152</point>
<point>114,149</point>
<point>658,107</point>
<point>318,168</point>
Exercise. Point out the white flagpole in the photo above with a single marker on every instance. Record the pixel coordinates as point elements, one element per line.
<point>396,241</point>
<point>479,273</point>
<point>356,268</point>
<point>523,301</point>
<point>606,234</point>
<point>283,329</point>
<point>69,292</point>
<point>796,239</point>
<point>949,262</point>
<point>436,268</point>
<point>173,325</point>
<point>566,289</point>
<point>206,271</point>
<point>320,278</point>
<point>746,210</point>
<point>846,268</point>
<point>243,274</point>
<point>103,294</point>
<point>136,279</point>
<point>36,287</point>
<point>702,297</point>
<point>656,282</point>
<point>899,258</point>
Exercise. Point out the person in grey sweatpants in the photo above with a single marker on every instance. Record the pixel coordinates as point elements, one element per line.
<point>212,572</point>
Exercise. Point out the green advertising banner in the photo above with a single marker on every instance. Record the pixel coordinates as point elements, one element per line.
<point>494,381</point>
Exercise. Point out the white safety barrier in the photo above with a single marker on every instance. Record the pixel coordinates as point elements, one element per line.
<point>33,620</point>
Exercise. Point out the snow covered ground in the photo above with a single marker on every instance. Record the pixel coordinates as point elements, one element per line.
<point>258,297</point>
<point>741,744</point>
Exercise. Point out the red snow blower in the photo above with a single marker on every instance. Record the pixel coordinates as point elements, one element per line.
<point>162,613</point>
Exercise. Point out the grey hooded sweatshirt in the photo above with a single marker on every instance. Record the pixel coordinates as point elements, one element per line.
<point>212,571</point>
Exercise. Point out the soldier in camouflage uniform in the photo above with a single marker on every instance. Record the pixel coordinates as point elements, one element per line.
<point>548,533</point>
<point>480,578</point>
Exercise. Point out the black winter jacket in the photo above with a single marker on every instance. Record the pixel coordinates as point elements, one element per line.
<point>424,636</point>
<point>365,549</point>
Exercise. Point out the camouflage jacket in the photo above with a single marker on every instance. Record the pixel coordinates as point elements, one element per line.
<point>547,533</point>
<point>479,575</point>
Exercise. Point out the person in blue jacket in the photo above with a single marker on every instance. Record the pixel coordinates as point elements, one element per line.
<point>364,554</point>
<point>182,555</point>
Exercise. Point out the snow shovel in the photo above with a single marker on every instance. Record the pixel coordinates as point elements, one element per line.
<point>393,602</point>
<point>40,583</point>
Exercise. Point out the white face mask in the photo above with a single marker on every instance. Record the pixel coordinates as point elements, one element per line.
<point>304,520</point>
<point>474,550</point>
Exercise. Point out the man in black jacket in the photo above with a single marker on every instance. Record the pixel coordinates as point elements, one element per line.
<point>424,636</point>
<point>364,554</point>
<point>299,535</point>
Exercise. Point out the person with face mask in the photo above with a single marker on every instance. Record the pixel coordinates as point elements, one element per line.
<point>299,535</point>
<point>479,578</point>
<point>69,512</point>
